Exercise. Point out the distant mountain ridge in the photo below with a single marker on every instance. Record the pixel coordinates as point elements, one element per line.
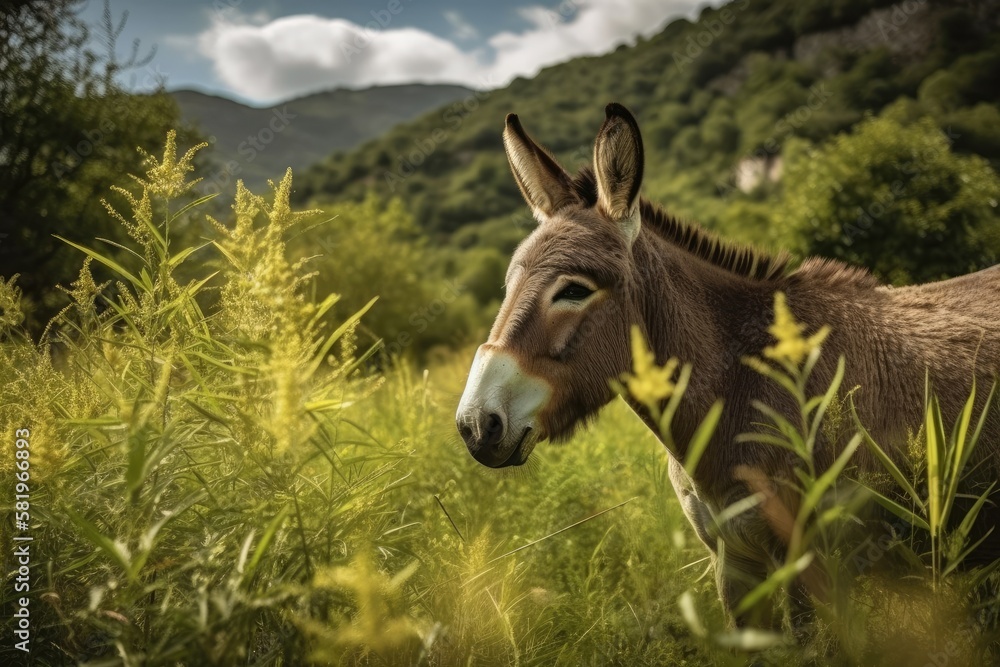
<point>256,144</point>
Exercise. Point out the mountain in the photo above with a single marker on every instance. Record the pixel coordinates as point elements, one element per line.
<point>716,99</point>
<point>259,143</point>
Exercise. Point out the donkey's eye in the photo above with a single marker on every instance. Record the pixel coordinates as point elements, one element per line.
<point>573,292</point>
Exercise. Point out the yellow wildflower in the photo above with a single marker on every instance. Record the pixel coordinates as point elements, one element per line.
<point>791,347</point>
<point>168,177</point>
<point>10,304</point>
<point>380,625</point>
<point>649,384</point>
<point>85,289</point>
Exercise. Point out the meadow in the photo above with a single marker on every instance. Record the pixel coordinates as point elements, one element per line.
<point>237,485</point>
<point>228,422</point>
<point>220,474</point>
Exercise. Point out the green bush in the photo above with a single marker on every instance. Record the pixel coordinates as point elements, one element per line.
<point>893,198</point>
<point>68,131</point>
<point>372,249</point>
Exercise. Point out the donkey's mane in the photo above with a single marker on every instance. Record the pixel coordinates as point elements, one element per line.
<point>739,259</point>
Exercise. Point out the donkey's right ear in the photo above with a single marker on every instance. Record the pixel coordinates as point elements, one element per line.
<point>618,165</point>
<point>545,185</point>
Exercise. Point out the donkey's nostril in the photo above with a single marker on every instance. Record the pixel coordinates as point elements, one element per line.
<point>482,431</point>
<point>493,429</point>
<point>467,434</point>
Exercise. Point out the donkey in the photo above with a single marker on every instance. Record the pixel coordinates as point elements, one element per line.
<point>603,259</point>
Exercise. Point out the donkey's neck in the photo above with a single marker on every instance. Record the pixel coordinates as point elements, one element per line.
<point>701,314</point>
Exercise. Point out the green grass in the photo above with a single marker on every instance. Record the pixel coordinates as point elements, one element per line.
<point>602,592</point>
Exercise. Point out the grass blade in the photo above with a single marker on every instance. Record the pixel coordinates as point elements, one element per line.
<point>781,577</point>
<point>910,517</point>
<point>932,423</point>
<point>110,263</point>
<point>115,550</point>
<point>335,336</point>
<point>825,404</point>
<point>826,480</point>
<point>561,530</point>
<point>886,462</point>
<point>702,436</point>
<point>265,539</point>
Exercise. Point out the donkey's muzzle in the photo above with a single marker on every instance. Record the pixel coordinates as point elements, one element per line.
<point>483,433</point>
<point>499,408</point>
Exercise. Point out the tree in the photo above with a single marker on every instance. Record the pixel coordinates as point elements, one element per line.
<point>893,198</point>
<point>67,132</point>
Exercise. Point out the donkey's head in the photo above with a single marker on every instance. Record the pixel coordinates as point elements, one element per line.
<point>561,332</point>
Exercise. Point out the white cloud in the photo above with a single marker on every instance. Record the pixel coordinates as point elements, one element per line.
<point>267,60</point>
<point>297,54</point>
<point>461,29</point>
<point>584,27</point>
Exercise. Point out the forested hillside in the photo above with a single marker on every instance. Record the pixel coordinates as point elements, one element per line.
<point>726,104</point>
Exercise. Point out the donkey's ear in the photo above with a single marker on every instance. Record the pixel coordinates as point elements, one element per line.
<point>545,185</point>
<point>618,163</point>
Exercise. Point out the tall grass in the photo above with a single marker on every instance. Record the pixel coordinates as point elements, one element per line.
<point>218,478</point>
<point>215,479</point>
<point>191,472</point>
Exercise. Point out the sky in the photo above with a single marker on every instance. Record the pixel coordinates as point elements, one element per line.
<point>265,51</point>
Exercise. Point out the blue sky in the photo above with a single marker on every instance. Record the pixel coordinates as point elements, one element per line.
<point>263,51</point>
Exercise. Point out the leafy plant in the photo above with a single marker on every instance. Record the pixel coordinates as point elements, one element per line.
<point>193,472</point>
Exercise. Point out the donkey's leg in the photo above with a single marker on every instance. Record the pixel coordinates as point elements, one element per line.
<point>736,574</point>
<point>770,526</point>
<point>739,567</point>
<point>800,614</point>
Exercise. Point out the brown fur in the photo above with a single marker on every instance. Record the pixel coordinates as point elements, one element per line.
<point>709,303</point>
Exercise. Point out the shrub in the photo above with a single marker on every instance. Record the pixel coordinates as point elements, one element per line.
<point>892,198</point>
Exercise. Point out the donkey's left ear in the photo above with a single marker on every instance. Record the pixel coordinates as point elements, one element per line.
<point>618,164</point>
<point>545,185</point>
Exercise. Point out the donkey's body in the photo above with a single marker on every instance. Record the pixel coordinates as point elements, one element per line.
<point>602,260</point>
<point>890,338</point>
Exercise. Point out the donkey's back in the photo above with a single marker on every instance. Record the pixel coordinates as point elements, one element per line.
<point>952,326</point>
<point>974,295</point>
